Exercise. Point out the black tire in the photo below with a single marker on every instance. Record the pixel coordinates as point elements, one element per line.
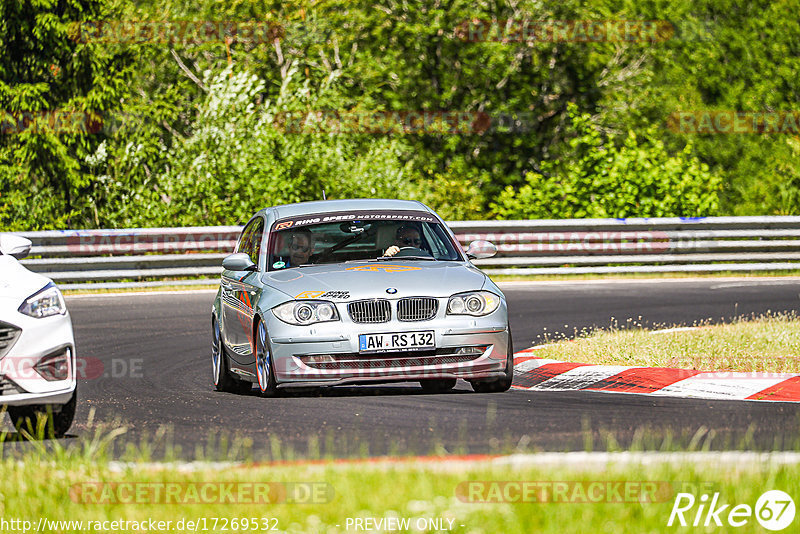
<point>220,371</point>
<point>498,385</point>
<point>25,418</point>
<point>265,370</point>
<point>438,385</point>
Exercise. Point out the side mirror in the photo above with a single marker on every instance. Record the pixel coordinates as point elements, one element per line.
<point>238,262</point>
<point>481,249</point>
<point>15,245</point>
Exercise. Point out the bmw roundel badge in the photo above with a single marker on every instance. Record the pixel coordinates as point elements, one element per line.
<point>391,290</point>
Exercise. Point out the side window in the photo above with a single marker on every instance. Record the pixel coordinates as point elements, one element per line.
<point>244,239</point>
<point>256,237</point>
<point>249,242</point>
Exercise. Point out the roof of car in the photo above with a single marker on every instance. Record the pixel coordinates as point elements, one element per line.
<point>326,206</point>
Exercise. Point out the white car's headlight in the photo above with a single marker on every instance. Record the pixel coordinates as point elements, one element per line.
<point>303,312</point>
<point>475,303</point>
<point>45,303</point>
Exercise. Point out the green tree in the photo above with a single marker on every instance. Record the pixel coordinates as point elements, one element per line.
<point>240,157</point>
<point>396,56</point>
<point>724,55</point>
<point>412,56</point>
<point>54,91</point>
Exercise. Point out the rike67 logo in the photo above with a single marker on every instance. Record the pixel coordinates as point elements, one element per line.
<point>774,510</point>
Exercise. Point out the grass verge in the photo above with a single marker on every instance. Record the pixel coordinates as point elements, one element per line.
<point>766,343</point>
<point>332,498</point>
<point>470,497</point>
<point>50,485</point>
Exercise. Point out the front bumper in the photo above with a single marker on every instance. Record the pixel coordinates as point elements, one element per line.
<point>327,354</point>
<point>20,383</point>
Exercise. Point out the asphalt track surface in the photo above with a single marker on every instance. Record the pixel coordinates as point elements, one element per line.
<point>156,371</point>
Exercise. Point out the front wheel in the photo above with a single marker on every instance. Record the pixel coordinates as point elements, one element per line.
<point>265,371</point>
<point>498,385</point>
<point>57,423</point>
<point>223,381</point>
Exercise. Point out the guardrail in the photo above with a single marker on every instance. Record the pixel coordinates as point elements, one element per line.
<point>575,246</point>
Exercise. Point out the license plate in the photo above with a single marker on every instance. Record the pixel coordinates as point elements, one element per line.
<point>396,341</point>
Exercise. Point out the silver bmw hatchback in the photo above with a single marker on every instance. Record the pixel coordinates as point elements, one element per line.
<point>356,292</point>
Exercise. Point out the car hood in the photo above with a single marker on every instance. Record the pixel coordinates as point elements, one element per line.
<point>16,282</point>
<point>370,279</point>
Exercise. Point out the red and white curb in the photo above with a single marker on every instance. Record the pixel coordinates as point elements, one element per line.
<point>540,374</point>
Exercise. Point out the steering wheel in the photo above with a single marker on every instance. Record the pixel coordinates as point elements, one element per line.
<point>416,252</point>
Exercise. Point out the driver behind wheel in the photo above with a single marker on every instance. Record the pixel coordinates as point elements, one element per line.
<point>406,236</point>
<point>301,246</point>
<point>296,252</point>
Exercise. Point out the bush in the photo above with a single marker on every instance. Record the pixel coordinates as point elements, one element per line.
<point>455,194</point>
<point>638,178</point>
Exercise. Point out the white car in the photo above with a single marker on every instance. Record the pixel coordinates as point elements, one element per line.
<point>37,348</point>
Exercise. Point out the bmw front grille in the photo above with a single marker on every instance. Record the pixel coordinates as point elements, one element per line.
<point>417,309</point>
<point>370,311</point>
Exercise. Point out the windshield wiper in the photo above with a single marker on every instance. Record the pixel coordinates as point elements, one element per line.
<point>341,244</point>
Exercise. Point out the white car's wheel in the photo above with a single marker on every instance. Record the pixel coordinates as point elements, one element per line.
<point>267,386</point>
<point>58,422</point>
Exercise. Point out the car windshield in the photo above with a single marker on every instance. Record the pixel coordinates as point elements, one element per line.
<point>293,243</point>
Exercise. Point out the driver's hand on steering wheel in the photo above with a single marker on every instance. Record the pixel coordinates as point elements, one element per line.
<point>391,251</point>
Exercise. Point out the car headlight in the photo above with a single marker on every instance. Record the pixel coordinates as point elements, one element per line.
<point>44,303</point>
<point>475,303</point>
<point>303,312</point>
